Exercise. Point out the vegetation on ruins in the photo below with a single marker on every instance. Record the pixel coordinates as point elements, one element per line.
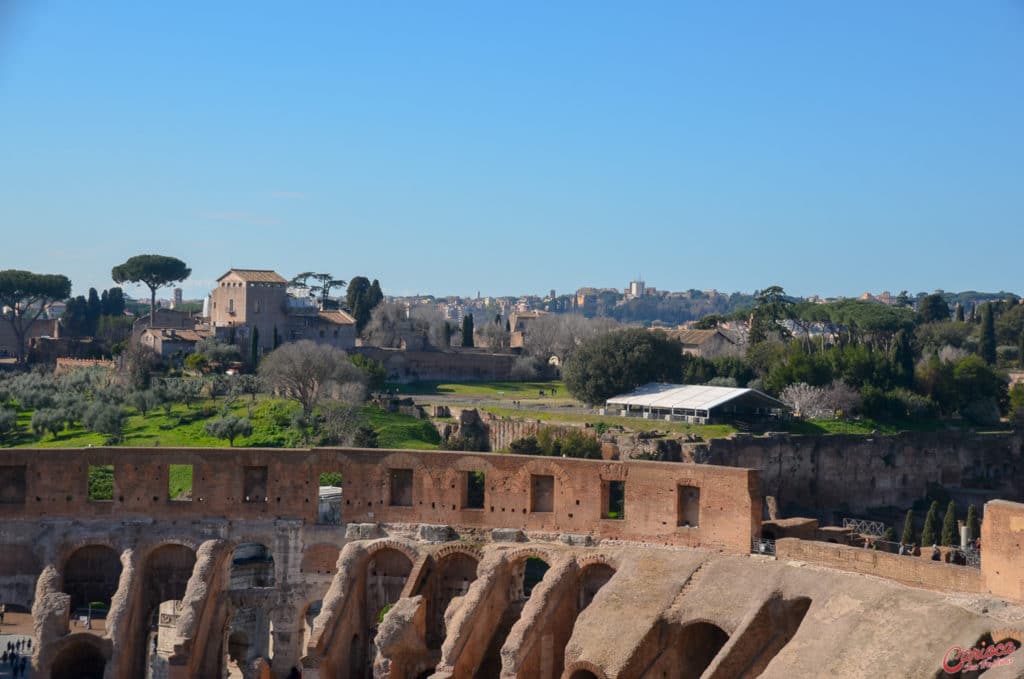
<point>555,442</point>
<point>950,535</point>
<point>153,271</point>
<point>307,373</point>
<point>23,299</point>
<point>929,535</point>
<point>973,525</point>
<point>907,536</point>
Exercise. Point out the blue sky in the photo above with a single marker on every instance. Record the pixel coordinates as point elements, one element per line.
<point>515,147</point>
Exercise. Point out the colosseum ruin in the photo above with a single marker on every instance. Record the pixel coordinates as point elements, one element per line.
<point>443,564</point>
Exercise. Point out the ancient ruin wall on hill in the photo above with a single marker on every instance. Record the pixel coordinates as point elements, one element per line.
<point>859,472</point>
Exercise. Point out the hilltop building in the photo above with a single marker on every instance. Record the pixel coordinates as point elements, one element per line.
<point>257,300</point>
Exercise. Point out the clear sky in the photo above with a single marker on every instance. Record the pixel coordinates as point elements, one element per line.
<point>515,147</point>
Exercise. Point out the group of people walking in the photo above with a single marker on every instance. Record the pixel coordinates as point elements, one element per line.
<point>16,657</point>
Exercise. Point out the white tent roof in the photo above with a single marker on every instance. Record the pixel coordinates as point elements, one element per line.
<point>690,396</point>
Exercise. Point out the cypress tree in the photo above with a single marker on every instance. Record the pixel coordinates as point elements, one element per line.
<point>467,330</point>
<point>949,532</point>
<point>987,343</point>
<point>1020,349</point>
<point>928,534</point>
<point>973,527</point>
<point>960,312</point>
<point>254,348</point>
<point>908,528</point>
<point>277,338</point>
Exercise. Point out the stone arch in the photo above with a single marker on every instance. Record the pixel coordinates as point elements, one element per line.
<point>387,570</point>
<point>699,642</point>
<point>582,669</point>
<point>320,559</point>
<point>80,656</point>
<point>91,574</point>
<point>166,570</point>
<point>455,571</point>
<point>252,566</point>
<point>591,578</point>
<point>402,547</point>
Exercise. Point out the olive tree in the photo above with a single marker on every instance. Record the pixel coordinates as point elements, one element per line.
<point>23,299</point>
<point>229,428</point>
<point>153,271</point>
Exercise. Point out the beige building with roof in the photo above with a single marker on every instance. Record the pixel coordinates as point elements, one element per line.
<point>707,343</point>
<point>257,300</point>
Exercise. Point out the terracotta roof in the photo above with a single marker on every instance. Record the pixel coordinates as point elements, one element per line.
<point>256,276</point>
<point>337,317</point>
<point>699,336</point>
<point>178,334</point>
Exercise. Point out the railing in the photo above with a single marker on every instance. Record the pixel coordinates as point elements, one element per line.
<point>762,546</point>
<point>864,527</point>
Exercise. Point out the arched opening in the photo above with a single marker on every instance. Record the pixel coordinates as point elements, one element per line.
<point>583,674</point>
<point>79,660</point>
<point>308,616</point>
<point>165,575</point>
<point>526,574</point>
<point>455,573</point>
<point>91,575</point>
<point>252,565</point>
<point>238,647</point>
<point>533,570</point>
<point>386,574</point>
<point>592,578</point>
<point>699,643</point>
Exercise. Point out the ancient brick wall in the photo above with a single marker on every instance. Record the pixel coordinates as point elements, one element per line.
<point>909,570</point>
<point>1002,544</point>
<point>826,472</point>
<point>396,487</point>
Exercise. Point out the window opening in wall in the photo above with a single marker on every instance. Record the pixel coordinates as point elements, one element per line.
<point>12,484</point>
<point>542,493</point>
<point>614,499</point>
<point>329,498</point>
<point>179,482</point>
<point>401,487</point>
<point>688,511</point>
<point>533,573</point>
<point>255,484</point>
<point>475,482</point>
<point>101,482</point>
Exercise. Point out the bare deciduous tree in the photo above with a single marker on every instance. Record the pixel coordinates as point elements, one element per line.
<point>307,372</point>
<point>560,334</point>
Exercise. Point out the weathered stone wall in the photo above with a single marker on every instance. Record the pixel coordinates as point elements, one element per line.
<point>1002,541</point>
<point>909,570</point>
<point>396,486</point>
<point>859,472</point>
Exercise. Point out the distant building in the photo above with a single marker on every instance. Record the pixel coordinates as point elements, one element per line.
<point>707,343</point>
<point>695,403</point>
<point>168,341</point>
<point>178,298</point>
<point>635,289</point>
<point>257,300</point>
<point>519,324</point>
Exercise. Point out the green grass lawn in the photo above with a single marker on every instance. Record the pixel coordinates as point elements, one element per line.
<point>184,428</point>
<point>395,430</point>
<point>491,390</point>
<point>869,426</point>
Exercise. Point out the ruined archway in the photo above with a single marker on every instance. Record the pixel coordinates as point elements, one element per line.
<point>699,643</point>
<point>583,674</point>
<point>91,576</point>
<point>592,578</point>
<point>80,658</point>
<point>386,573</point>
<point>455,572</point>
<point>165,574</point>
<point>252,565</point>
<point>525,574</point>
